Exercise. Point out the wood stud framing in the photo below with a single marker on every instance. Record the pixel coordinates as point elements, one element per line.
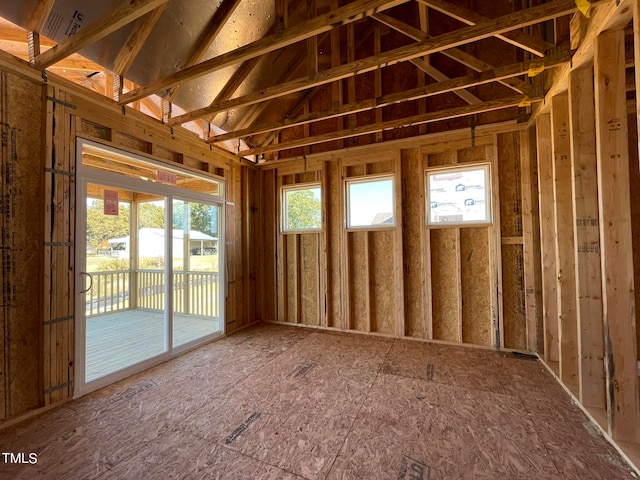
<point>623,407</point>
<point>547,239</point>
<point>587,239</point>
<point>565,245</point>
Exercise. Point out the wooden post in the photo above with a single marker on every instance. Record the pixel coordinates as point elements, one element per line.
<point>495,251</point>
<point>398,270</point>
<point>547,240</point>
<point>615,237</point>
<point>565,245</point>
<point>587,238</point>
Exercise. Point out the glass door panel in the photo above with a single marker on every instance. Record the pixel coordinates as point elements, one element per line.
<point>196,261</point>
<point>124,323</point>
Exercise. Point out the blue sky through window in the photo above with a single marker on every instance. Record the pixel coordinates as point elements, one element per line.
<point>370,200</point>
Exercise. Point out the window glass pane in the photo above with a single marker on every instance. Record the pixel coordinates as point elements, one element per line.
<point>370,203</point>
<point>458,196</point>
<point>302,209</point>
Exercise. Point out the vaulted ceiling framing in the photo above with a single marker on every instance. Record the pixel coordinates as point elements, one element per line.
<point>324,71</point>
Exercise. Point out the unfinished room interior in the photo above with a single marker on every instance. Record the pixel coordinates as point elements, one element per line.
<point>320,239</point>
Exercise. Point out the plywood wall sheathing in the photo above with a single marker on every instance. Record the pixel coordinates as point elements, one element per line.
<point>476,291</point>
<point>291,254</point>
<point>514,322</point>
<point>309,271</point>
<point>547,240</point>
<point>357,248</point>
<point>382,299</point>
<point>21,115</point>
<point>591,378</point>
<point>565,244</point>
<point>616,238</point>
<point>445,284</point>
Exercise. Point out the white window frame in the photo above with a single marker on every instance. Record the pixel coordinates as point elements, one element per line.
<point>284,204</point>
<point>369,179</point>
<point>486,167</point>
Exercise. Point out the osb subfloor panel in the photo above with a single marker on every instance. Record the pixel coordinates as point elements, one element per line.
<point>277,402</point>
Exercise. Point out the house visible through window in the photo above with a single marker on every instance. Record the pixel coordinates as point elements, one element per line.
<point>459,195</point>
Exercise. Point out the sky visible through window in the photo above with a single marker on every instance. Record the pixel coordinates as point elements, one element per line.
<point>368,200</point>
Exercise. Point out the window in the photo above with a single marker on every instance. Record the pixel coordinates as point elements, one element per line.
<point>301,208</point>
<point>370,202</point>
<point>459,195</point>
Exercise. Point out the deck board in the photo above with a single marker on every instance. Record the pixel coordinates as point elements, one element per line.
<point>121,339</point>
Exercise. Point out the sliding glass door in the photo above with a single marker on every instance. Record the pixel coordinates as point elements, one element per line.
<point>196,262</point>
<point>149,263</point>
<point>124,306</point>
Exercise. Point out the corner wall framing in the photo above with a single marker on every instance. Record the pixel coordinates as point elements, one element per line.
<point>40,123</point>
<point>460,285</point>
<point>590,224</point>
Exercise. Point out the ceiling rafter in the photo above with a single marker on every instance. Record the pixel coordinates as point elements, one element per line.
<point>517,38</point>
<point>295,62</point>
<point>72,63</point>
<point>460,56</point>
<point>421,119</point>
<point>475,79</point>
<point>437,75</point>
<point>18,48</point>
<point>118,18</point>
<point>309,94</point>
<point>136,40</point>
<point>218,21</point>
<point>39,15</point>
<point>287,73</point>
<point>323,23</point>
<point>439,43</point>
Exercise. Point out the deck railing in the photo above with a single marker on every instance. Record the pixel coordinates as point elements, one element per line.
<point>109,292</point>
<point>194,293</point>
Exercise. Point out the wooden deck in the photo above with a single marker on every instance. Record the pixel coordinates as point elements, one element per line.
<point>121,339</point>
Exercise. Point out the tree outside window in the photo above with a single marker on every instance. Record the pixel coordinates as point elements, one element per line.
<point>302,208</point>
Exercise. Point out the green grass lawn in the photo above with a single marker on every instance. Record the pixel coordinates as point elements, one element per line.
<point>199,263</point>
